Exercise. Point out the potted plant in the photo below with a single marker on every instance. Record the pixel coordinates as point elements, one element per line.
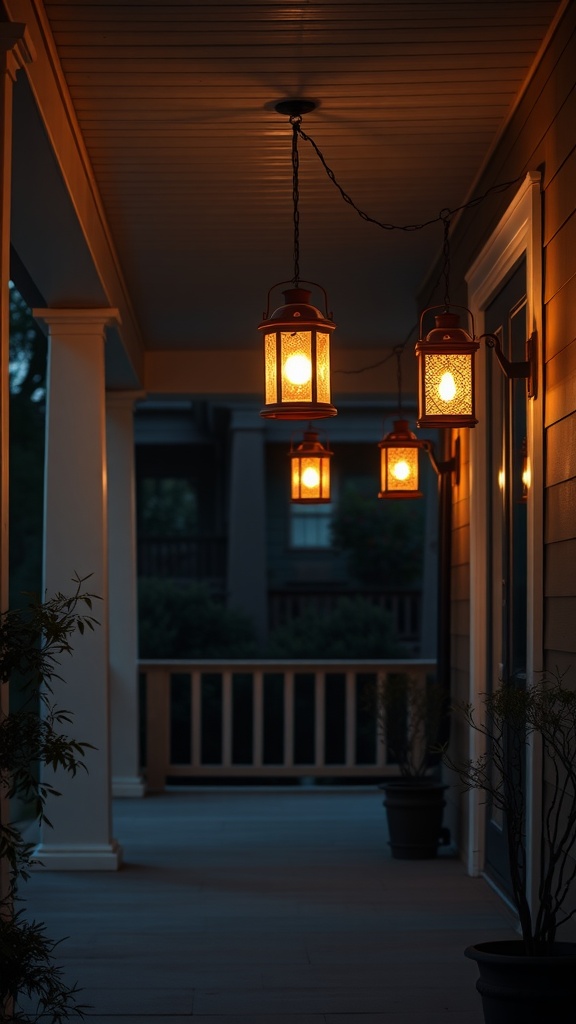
<point>532,979</point>
<point>410,715</point>
<point>32,641</point>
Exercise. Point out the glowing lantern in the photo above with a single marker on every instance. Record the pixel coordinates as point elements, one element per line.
<point>310,471</point>
<point>446,375</point>
<point>297,360</point>
<point>399,463</point>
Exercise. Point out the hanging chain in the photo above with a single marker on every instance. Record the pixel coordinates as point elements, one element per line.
<point>494,189</point>
<point>398,350</point>
<point>444,216</point>
<point>296,121</point>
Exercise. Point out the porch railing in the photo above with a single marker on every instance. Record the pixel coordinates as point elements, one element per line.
<point>253,720</point>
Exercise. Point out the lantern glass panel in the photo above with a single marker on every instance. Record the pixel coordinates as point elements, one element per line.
<point>400,467</point>
<point>296,366</point>
<point>325,469</point>
<point>448,384</point>
<point>270,368</point>
<point>323,367</point>
<point>310,478</point>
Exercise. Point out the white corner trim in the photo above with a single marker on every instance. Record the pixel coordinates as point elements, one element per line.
<point>518,232</point>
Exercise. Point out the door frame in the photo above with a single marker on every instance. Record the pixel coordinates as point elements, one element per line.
<point>519,232</point>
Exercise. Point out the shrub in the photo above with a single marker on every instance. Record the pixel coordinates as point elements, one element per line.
<point>184,620</point>
<point>354,629</point>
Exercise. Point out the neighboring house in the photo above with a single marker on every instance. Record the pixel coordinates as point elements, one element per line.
<point>184,456</point>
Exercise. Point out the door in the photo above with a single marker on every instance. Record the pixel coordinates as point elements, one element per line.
<point>506,505</point>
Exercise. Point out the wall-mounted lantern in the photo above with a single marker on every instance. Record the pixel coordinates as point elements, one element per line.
<point>399,463</point>
<point>446,381</point>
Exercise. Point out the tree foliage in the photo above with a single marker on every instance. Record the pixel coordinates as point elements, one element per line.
<point>383,539</point>
<point>27,428</point>
<point>184,620</point>
<point>355,628</point>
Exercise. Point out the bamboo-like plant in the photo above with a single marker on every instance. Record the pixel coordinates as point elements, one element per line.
<point>546,712</point>
<point>409,714</point>
<point>32,642</point>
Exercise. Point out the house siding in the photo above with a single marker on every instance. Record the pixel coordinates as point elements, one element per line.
<point>540,135</point>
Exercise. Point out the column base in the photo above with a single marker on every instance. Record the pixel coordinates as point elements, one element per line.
<point>128,786</point>
<point>78,856</point>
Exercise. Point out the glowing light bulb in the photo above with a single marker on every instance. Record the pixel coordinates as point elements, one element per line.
<point>447,387</point>
<point>298,369</point>
<point>401,470</point>
<point>310,477</point>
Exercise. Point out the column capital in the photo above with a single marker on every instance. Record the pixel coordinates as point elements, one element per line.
<point>16,47</point>
<point>78,321</point>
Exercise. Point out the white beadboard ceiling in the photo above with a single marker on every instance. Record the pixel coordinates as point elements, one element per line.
<point>176,105</point>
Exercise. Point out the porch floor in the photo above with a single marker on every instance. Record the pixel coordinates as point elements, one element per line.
<point>268,907</point>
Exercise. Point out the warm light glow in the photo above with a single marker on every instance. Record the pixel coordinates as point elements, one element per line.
<point>298,369</point>
<point>310,477</point>
<point>401,470</point>
<point>446,374</point>
<point>297,360</point>
<point>399,463</point>
<point>526,475</point>
<point>501,479</point>
<point>447,387</point>
<point>310,470</point>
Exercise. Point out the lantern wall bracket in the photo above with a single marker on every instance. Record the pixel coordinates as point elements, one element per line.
<point>522,369</point>
<point>441,467</point>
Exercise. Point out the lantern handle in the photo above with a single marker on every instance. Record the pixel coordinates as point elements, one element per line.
<point>446,307</point>
<point>266,314</point>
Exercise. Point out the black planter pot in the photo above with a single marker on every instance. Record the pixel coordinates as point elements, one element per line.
<point>519,989</point>
<point>414,808</point>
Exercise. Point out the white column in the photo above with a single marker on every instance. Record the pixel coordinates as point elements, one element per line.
<point>15,51</point>
<point>247,554</point>
<point>75,541</point>
<point>123,599</point>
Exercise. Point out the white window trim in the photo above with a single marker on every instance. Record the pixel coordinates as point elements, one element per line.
<point>519,232</point>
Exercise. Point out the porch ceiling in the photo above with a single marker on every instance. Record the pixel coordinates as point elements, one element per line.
<point>175,102</point>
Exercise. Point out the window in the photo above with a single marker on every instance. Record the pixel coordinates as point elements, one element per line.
<point>310,526</point>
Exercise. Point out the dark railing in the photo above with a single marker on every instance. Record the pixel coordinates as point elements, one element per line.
<point>404,607</point>
<point>192,558</point>
<point>204,558</point>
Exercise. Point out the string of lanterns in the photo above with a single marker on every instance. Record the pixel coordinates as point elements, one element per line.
<point>297,360</point>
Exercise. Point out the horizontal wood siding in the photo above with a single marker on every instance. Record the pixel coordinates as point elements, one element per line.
<point>541,135</point>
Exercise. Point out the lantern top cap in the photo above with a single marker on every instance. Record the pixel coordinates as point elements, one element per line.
<point>401,427</point>
<point>310,445</point>
<point>401,432</point>
<point>447,319</point>
<point>297,308</point>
